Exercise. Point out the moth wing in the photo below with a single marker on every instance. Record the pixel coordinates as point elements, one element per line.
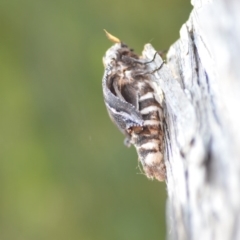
<point>123,114</point>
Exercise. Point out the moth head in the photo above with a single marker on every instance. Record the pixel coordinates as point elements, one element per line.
<point>111,54</point>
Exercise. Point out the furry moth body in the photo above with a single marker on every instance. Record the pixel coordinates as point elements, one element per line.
<point>134,106</point>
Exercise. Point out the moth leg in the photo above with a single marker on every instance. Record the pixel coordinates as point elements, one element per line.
<point>134,60</point>
<point>157,69</point>
<point>161,53</point>
<point>155,54</point>
<point>130,60</point>
<point>147,72</point>
<point>117,91</point>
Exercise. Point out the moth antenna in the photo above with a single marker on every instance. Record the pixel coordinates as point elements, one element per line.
<point>111,37</point>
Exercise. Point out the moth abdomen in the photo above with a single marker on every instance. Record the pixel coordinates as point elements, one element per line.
<point>149,105</point>
<point>151,159</point>
<point>150,140</point>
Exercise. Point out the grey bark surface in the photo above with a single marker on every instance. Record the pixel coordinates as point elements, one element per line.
<point>201,86</point>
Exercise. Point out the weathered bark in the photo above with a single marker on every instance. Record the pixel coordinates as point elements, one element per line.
<point>201,86</point>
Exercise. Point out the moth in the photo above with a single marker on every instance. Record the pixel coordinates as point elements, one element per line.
<point>134,106</point>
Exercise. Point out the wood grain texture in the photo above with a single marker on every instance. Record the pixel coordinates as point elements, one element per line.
<point>201,87</point>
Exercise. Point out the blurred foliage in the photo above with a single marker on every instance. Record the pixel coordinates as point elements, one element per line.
<point>64,171</point>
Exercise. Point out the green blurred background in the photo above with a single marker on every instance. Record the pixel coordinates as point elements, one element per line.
<point>64,171</point>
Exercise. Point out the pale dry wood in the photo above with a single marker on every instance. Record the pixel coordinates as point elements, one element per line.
<point>201,86</point>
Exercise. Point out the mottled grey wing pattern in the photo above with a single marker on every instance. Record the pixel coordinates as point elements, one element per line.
<point>123,114</point>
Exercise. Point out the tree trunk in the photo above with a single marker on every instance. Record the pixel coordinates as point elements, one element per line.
<point>201,86</point>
